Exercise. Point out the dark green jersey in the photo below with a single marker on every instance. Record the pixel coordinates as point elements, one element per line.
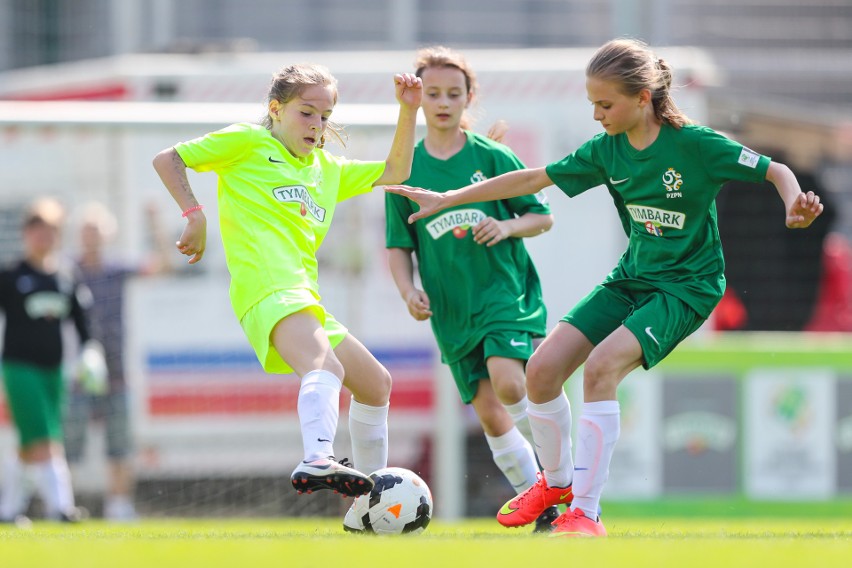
<point>665,196</point>
<point>473,289</point>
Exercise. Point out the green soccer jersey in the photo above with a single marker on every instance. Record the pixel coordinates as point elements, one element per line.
<point>274,209</point>
<point>665,196</point>
<point>472,288</point>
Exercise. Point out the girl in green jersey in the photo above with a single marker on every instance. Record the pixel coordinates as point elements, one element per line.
<point>485,338</point>
<point>278,189</point>
<point>663,174</point>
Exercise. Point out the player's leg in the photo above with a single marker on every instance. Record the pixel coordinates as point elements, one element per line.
<point>658,323</point>
<point>558,356</point>
<point>549,411</point>
<point>509,383</point>
<point>370,384</point>
<point>303,344</point>
<point>477,376</point>
<point>118,502</point>
<point>75,424</point>
<point>54,474</point>
<point>35,398</point>
<point>509,449</point>
<point>598,429</point>
<point>13,498</point>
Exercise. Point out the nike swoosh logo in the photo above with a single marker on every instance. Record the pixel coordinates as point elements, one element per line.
<point>515,343</point>
<point>274,161</point>
<point>507,509</point>
<point>565,496</point>
<point>322,440</point>
<point>616,182</point>
<point>651,335</point>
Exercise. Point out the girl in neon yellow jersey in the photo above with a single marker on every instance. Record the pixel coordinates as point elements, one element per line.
<point>278,189</point>
<point>663,174</point>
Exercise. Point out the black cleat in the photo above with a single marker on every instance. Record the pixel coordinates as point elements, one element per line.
<point>73,516</point>
<point>330,474</point>
<point>544,520</point>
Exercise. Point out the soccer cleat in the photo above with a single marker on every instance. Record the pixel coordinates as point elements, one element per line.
<point>73,515</point>
<point>529,505</point>
<point>120,510</point>
<point>20,521</point>
<point>544,522</point>
<point>576,524</point>
<point>330,474</point>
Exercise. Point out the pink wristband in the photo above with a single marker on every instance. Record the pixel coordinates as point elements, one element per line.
<point>191,209</point>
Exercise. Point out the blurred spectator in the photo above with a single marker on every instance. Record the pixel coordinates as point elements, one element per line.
<point>833,311</point>
<point>37,294</point>
<point>730,313</point>
<point>107,280</point>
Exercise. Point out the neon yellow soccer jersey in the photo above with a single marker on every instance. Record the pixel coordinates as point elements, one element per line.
<point>274,209</point>
<point>665,196</point>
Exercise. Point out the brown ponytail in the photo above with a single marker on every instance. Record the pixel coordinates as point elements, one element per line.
<point>632,64</point>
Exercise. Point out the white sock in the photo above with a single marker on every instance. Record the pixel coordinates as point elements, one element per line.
<point>514,456</point>
<point>518,412</point>
<point>597,434</point>
<point>54,484</point>
<point>13,501</point>
<point>551,428</point>
<point>319,408</point>
<point>368,427</point>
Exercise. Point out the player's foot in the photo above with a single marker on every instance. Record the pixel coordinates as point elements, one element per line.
<point>20,521</point>
<point>330,474</point>
<point>72,515</point>
<point>529,505</point>
<point>120,509</point>
<point>576,524</point>
<point>544,522</point>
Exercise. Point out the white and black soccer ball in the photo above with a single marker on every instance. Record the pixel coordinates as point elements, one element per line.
<point>400,503</point>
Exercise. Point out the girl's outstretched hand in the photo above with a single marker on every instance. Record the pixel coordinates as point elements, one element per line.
<point>409,89</point>
<point>429,201</point>
<point>804,210</point>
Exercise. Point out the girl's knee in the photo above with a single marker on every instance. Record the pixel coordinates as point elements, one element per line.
<point>377,390</point>
<point>385,383</point>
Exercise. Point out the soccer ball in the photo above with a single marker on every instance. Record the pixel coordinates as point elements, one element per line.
<point>400,503</point>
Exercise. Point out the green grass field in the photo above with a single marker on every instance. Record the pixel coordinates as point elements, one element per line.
<point>775,541</point>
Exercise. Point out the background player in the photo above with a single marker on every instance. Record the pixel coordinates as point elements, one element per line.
<point>37,294</point>
<point>481,291</point>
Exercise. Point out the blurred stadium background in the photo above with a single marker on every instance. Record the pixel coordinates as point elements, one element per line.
<point>90,90</point>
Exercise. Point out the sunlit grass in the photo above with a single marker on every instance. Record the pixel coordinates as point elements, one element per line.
<point>658,541</point>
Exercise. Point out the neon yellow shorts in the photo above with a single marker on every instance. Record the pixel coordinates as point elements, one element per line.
<point>262,318</point>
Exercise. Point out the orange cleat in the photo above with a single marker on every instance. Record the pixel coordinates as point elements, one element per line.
<point>529,505</point>
<point>576,524</point>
